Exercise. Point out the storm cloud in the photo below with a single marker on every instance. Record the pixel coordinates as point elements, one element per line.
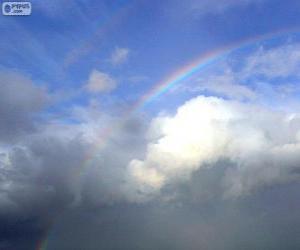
<point>217,173</point>
<point>20,99</point>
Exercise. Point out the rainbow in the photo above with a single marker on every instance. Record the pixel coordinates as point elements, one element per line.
<point>178,76</point>
<point>42,244</point>
<point>201,62</point>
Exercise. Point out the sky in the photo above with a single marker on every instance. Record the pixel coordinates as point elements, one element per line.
<point>150,125</point>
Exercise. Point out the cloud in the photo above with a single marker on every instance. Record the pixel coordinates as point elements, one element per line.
<point>206,130</point>
<point>213,162</point>
<point>281,61</point>
<point>62,165</point>
<point>40,177</point>
<point>20,100</point>
<point>225,85</point>
<point>268,220</point>
<point>119,56</point>
<point>264,76</point>
<point>210,148</point>
<point>100,82</point>
<point>202,133</point>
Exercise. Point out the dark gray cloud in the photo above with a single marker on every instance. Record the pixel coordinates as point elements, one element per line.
<point>266,220</point>
<point>20,99</point>
<point>69,183</point>
<point>38,181</point>
<point>56,166</point>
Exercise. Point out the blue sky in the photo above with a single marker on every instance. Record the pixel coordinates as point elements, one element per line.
<point>61,43</point>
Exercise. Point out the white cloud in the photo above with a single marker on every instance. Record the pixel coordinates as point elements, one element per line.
<point>126,163</point>
<point>281,61</point>
<point>227,85</point>
<point>119,56</point>
<point>266,76</point>
<point>100,82</point>
<point>206,130</point>
<point>261,144</point>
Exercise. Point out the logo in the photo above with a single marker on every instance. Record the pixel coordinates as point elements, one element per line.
<point>7,8</point>
<point>16,8</point>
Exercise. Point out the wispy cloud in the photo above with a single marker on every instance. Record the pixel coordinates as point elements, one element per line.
<point>99,82</point>
<point>282,61</point>
<point>267,76</point>
<point>119,56</point>
<point>226,85</point>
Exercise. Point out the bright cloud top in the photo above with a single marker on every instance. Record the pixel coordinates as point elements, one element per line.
<point>206,130</point>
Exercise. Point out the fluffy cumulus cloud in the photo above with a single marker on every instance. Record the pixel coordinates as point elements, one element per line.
<point>119,56</point>
<point>53,165</point>
<point>262,146</point>
<point>39,162</point>
<point>99,82</point>
<point>212,161</point>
